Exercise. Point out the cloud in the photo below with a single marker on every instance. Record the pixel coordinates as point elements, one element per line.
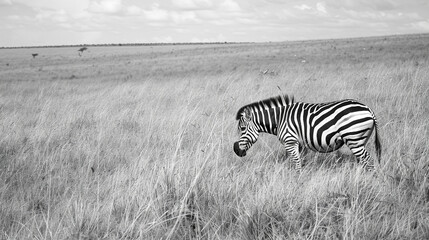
<point>180,17</point>
<point>206,5</point>
<point>421,26</point>
<point>105,6</point>
<point>230,5</point>
<point>208,14</point>
<point>113,7</point>
<point>156,13</point>
<point>192,4</point>
<point>53,15</point>
<point>318,9</point>
<point>378,5</point>
<point>302,7</point>
<point>321,7</point>
<point>133,10</point>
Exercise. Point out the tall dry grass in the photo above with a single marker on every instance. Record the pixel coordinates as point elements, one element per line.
<point>136,143</point>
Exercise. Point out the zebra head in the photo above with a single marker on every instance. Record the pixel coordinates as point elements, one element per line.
<point>248,132</point>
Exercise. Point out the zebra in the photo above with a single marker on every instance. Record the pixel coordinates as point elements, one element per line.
<point>321,127</point>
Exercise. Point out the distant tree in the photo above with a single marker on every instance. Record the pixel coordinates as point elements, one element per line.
<point>81,50</point>
<point>34,55</point>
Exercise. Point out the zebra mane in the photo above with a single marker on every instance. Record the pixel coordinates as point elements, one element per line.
<point>270,102</point>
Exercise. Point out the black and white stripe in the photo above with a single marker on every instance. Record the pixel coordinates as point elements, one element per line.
<point>322,127</point>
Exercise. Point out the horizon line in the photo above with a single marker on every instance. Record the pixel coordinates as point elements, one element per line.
<point>203,43</point>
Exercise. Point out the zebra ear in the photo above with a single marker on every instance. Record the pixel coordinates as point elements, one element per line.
<point>247,114</point>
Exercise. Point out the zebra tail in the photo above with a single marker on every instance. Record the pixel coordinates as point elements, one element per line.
<point>377,143</point>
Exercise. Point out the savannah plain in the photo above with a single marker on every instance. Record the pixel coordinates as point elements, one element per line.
<point>136,142</point>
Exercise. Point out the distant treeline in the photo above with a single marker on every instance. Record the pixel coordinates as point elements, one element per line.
<point>126,44</point>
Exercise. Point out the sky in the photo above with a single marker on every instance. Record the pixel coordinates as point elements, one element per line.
<point>64,22</point>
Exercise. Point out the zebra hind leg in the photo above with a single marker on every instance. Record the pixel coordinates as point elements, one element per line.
<point>364,158</point>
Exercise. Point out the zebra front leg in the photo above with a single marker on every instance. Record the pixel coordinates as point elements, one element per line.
<point>293,150</point>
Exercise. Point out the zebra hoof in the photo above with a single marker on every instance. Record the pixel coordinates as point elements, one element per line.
<point>369,168</point>
<point>238,151</point>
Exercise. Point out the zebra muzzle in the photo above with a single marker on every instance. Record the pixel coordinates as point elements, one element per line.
<point>238,151</point>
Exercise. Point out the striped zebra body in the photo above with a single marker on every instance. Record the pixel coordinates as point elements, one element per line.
<point>323,127</point>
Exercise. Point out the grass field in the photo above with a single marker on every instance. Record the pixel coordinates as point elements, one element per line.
<point>136,142</point>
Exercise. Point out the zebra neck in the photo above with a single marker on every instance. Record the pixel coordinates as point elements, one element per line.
<point>272,129</point>
<point>267,122</point>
